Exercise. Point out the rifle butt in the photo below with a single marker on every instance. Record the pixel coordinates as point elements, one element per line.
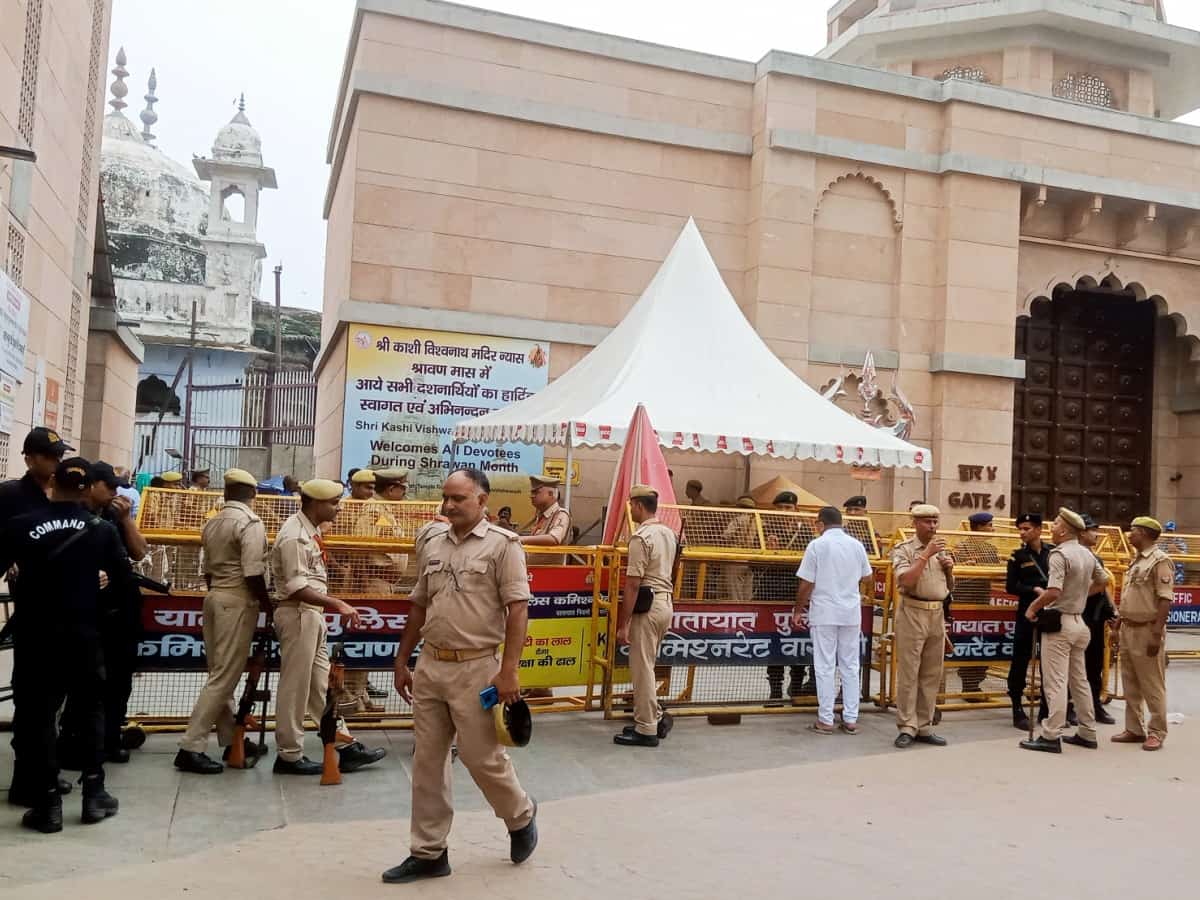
<point>331,772</point>
<point>237,750</point>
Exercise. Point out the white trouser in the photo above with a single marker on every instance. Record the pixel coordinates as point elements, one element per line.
<point>836,647</point>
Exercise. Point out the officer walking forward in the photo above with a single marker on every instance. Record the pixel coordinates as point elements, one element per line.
<point>301,584</point>
<point>647,578</point>
<point>924,578</point>
<point>1145,606</point>
<point>235,567</point>
<point>1074,573</point>
<point>472,594</point>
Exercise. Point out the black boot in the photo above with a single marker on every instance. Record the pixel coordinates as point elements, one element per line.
<point>1020,719</point>
<point>414,869</point>
<point>198,763</point>
<point>1102,715</point>
<point>98,804</point>
<point>46,815</point>
<point>523,841</point>
<point>354,756</point>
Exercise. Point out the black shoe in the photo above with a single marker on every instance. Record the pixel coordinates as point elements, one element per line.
<point>46,816</point>
<point>1078,741</point>
<point>119,755</point>
<point>665,724</point>
<point>635,739</point>
<point>521,843</point>
<point>904,740</point>
<point>1040,743</point>
<point>931,739</point>
<point>937,717</point>
<point>376,693</point>
<point>301,766</point>
<point>64,786</point>
<point>249,748</point>
<point>413,869</point>
<point>197,763</point>
<point>776,692</point>
<point>354,756</point>
<point>1103,717</point>
<point>1020,720</point>
<point>98,804</point>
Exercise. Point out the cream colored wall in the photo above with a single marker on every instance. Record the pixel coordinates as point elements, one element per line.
<point>331,401</point>
<point>109,399</point>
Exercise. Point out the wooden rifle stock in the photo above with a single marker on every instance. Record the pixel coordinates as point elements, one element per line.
<point>331,772</point>
<point>250,693</point>
<point>677,564</point>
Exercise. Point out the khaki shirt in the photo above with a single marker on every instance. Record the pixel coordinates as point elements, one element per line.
<point>467,584</point>
<point>1073,570</point>
<point>235,547</point>
<point>933,585</point>
<point>296,558</point>
<point>1149,580</point>
<point>652,555</point>
<point>376,520</point>
<point>555,521</point>
<point>741,531</point>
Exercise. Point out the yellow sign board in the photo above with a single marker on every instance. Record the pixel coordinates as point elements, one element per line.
<point>557,468</point>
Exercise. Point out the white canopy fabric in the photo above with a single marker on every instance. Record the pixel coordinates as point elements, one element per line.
<point>706,378</point>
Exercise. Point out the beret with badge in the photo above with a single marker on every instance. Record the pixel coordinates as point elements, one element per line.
<point>321,489</point>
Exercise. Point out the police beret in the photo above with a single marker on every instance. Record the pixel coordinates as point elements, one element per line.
<point>747,502</point>
<point>980,518</point>
<point>74,472</point>
<point>239,476</point>
<point>1072,518</point>
<point>1148,523</point>
<point>858,500</point>
<point>925,511</point>
<point>785,497</point>
<point>390,475</point>
<point>642,490</point>
<point>171,477</point>
<point>321,489</point>
<point>196,472</point>
<point>1088,522</point>
<point>1031,518</point>
<point>363,476</point>
<point>540,481</point>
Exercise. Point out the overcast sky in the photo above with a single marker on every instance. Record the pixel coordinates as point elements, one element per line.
<point>286,55</point>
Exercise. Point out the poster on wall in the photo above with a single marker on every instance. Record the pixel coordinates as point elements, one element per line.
<point>406,389</point>
<point>14,327</point>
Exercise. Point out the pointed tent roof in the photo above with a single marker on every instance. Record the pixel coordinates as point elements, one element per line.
<point>706,378</point>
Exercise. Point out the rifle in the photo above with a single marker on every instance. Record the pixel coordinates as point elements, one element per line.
<point>331,772</point>
<point>677,563</point>
<point>145,582</point>
<point>257,668</point>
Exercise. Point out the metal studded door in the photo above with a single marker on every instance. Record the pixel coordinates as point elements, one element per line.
<point>1082,419</point>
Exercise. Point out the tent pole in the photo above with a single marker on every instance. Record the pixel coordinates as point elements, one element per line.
<point>746,474</point>
<point>570,460</point>
<point>925,491</point>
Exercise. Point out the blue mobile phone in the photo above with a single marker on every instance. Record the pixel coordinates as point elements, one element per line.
<point>489,697</point>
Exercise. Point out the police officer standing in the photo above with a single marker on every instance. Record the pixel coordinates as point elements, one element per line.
<point>60,548</point>
<point>1098,612</point>
<point>647,576</point>
<point>1145,607</point>
<point>1027,571</point>
<point>235,569</point>
<point>43,449</point>
<point>1074,573</point>
<point>471,596</point>
<point>301,584</point>
<point>199,480</point>
<point>924,575</point>
<point>551,526</point>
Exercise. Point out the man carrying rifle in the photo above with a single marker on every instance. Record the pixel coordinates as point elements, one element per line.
<point>235,565</point>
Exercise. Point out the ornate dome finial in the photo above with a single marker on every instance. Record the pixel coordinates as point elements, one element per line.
<point>119,88</point>
<point>148,115</point>
<point>242,102</point>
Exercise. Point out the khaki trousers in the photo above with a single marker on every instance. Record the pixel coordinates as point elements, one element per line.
<point>1063,667</point>
<point>740,579</point>
<point>1144,679</point>
<point>446,701</point>
<point>303,676</point>
<point>229,619</point>
<point>920,657</point>
<point>646,631</point>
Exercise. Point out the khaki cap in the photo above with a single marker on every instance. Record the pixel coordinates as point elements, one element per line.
<point>1072,518</point>
<point>171,477</point>
<point>1147,522</point>
<point>240,476</point>
<point>390,475</point>
<point>363,476</point>
<point>199,472</point>
<point>539,481</point>
<point>747,502</point>
<point>642,490</point>
<point>321,489</point>
<point>925,511</point>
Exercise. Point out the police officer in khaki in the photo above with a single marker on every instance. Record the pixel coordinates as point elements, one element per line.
<point>355,693</point>
<point>301,585</point>
<point>235,567</point>
<point>471,596</point>
<point>651,558</point>
<point>551,526</point>
<point>1145,606</point>
<point>1075,572</point>
<point>740,532</point>
<point>924,574</point>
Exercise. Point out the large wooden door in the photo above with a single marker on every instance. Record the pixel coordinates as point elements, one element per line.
<point>1082,420</point>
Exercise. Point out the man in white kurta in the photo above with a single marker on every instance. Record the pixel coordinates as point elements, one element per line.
<point>829,597</point>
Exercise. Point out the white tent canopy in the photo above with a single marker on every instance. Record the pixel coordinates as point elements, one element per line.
<point>705,376</point>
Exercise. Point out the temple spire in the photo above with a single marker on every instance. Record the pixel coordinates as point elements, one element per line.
<point>119,89</point>
<point>148,115</point>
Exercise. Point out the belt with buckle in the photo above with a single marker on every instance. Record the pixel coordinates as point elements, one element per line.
<point>1136,624</point>
<point>443,655</point>
<point>921,604</point>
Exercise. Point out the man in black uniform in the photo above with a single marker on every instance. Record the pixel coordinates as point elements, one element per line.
<point>1096,615</point>
<point>1028,568</point>
<point>60,550</point>
<point>43,449</point>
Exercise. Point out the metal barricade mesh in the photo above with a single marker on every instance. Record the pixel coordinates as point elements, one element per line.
<point>975,548</point>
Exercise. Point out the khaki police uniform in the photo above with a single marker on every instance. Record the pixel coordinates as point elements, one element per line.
<point>465,586</point>
<point>651,558</point>
<point>1149,581</point>
<point>739,577</point>
<point>297,562</point>
<point>235,548</point>
<point>920,639</point>
<point>1073,570</point>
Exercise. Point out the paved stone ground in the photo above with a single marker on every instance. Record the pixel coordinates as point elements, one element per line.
<point>764,809</point>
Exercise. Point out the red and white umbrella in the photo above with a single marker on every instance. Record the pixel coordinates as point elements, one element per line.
<point>642,462</point>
